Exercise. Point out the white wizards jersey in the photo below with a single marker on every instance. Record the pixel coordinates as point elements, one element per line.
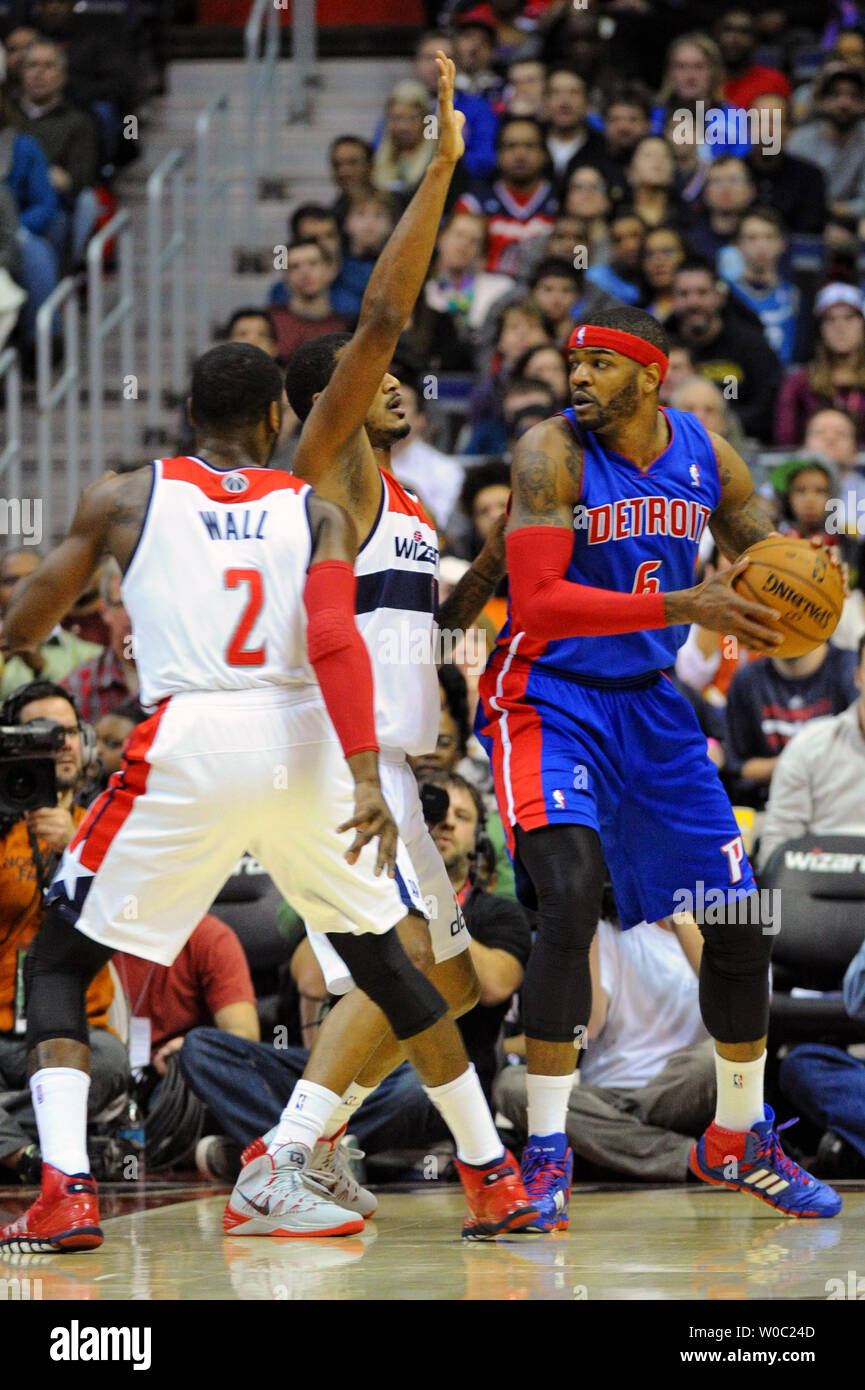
<point>215,587</point>
<point>397,598</point>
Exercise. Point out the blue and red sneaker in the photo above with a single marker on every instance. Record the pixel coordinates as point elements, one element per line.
<point>547,1168</point>
<point>755,1162</point>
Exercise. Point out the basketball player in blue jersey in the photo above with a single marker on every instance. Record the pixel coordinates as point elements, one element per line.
<point>596,756</point>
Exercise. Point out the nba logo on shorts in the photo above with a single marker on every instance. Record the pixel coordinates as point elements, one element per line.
<point>235,482</point>
<point>559,799</point>
<point>737,1080</point>
<point>694,474</point>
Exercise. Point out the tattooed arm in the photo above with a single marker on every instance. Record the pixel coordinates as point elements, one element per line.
<point>464,603</point>
<point>546,476</point>
<point>741,517</point>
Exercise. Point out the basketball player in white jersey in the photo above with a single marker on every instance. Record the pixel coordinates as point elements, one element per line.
<point>240,587</point>
<point>340,387</point>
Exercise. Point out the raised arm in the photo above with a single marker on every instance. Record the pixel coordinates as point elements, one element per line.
<point>390,296</point>
<point>45,596</point>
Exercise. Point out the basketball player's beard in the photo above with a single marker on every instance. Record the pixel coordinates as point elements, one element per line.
<point>620,407</point>
<point>384,438</point>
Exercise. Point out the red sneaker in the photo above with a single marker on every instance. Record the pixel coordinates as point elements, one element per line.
<point>65,1216</point>
<point>496,1197</point>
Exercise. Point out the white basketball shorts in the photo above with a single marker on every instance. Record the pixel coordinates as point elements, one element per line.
<point>209,775</point>
<point>446,922</point>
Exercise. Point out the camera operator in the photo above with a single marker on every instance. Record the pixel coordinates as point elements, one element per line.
<point>30,847</point>
<point>500,934</point>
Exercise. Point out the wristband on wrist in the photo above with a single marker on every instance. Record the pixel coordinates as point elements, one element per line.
<point>485,577</point>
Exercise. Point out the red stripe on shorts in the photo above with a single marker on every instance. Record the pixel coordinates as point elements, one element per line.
<point>110,810</point>
<point>517,751</point>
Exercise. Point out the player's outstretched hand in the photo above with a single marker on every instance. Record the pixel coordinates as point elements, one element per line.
<point>372,820</point>
<point>451,145</point>
<point>716,605</point>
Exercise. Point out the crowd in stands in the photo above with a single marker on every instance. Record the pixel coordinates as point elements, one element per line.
<point>71,89</point>
<point>706,165</point>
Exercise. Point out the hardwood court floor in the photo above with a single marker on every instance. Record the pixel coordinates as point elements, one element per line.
<point>673,1243</point>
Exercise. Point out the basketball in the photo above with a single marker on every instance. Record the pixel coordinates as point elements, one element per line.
<point>805,589</point>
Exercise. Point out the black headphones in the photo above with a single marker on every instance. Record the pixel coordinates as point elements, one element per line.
<point>10,713</point>
<point>485,856</point>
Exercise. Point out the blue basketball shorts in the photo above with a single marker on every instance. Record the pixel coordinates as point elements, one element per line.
<point>631,764</point>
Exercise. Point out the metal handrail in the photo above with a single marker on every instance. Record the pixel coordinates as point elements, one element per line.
<point>165,261</point>
<point>304,35</point>
<point>10,457</point>
<point>65,390</point>
<point>207,189</point>
<point>261,68</point>
<point>100,326</point>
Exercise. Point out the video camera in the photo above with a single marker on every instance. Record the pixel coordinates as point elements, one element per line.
<point>28,780</point>
<point>434,802</point>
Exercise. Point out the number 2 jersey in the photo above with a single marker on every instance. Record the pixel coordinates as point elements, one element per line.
<point>215,587</point>
<point>634,532</point>
<point>215,592</point>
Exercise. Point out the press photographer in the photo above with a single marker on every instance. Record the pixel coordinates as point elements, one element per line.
<point>31,842</point>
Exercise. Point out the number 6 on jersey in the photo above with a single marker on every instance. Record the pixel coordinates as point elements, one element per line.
<point>645,580</point>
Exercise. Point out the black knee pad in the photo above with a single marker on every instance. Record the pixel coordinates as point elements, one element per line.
<point>58,969</point>
<point>566,866</point>
<point>734,974</point>
<point>380,967</point>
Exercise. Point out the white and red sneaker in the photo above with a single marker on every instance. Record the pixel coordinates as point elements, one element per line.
<point>276,1198</point>
<point>65,1216</point>
<point>329,1168</point>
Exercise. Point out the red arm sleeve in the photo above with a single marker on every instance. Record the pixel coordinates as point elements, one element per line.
<point>337,654</point>
<point>547,606</point>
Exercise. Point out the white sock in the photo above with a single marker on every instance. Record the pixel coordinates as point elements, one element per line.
<point>304,1118</point>
<point>60,1103</point>
<point>548,1103</point>
<point>463,1107</point>
<point>739,1104</point>
<point>353,1097</point>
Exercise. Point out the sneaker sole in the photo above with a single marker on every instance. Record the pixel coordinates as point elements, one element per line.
<point>84,1238</point>
<point>234,1225</point>
<point>693,1164</point>
<point>519,1221</point>
<point>561,1223</point>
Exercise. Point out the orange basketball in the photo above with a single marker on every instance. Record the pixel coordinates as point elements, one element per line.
<point>800,583</point>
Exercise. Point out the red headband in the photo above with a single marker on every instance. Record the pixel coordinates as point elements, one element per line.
<point>587,335</point>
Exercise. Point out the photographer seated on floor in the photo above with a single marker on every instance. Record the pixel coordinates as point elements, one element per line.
<point>31,842</point>
<point>208,983</point>
<point>245,1085</point>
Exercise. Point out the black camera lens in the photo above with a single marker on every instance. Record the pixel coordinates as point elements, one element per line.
<point>434,802</point>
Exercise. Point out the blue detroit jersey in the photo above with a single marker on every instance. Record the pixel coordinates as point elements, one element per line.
<point>633,533</point>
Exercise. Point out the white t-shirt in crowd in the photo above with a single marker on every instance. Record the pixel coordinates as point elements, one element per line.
<point>435,477</point>
<point>653,1006</point>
